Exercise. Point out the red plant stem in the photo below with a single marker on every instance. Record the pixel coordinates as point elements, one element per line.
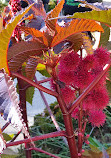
<point>67,120</point>
<point>80,136</point>
<point>85,122</point>
<point>5,126</point>
<point>50,112</point>
<point>15,136</point>
<point>22,104</point>
<point>45,152</point>
<point>36,138</point>
<point>88,89</point>
<point>35,84</point>
<point>43,81</point>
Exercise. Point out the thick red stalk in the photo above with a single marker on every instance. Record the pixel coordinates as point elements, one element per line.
<point>22,104</point>
<point>36,138</point>
<point>67,120</point>
<point>88,89</point>
<point>35,84</point>
<point>80,134</point>
<point>45,152</point>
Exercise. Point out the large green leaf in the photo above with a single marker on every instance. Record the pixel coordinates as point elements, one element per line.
<point>104,36</point>
<point>5,36</point>
<point>103,16</point>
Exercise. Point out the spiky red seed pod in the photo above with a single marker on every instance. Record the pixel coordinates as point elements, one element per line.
<point>88,62</point>
<point>96,99</point>
<point>102,55</point>
<point>75,113</point>
<point>82,78</point>
<point>69,61</point>
<point>68,94</point>
<point>97,118</point>
<point>66,77</point>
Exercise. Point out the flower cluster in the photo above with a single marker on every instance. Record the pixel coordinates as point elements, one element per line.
<point>15,6</point>
<point>77,73</point>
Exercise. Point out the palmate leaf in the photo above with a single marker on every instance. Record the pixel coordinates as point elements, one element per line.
<point>76,26</point>
<point>87,43</point>
<point>36,34</point>
<point>103,16</point>
<point>54,13</point>
<point>5,36</point>
<point>23,50</point>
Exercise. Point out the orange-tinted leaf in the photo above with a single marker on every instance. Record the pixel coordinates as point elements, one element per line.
<point>54,13</point>
<point>76,26</point>
<point>36,34</point>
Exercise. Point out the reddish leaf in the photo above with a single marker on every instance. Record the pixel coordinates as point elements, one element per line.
<point>20,52</point>
<point>31,68</point>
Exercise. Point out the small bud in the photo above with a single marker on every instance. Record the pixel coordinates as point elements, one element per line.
<point>83,150</point>
<point>79,154</point>
<point>87,136</point>
<point>80,134</point>
<point>87,142</point>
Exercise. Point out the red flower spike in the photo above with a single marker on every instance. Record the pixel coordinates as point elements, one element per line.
<point>69,61</point>
<point>97,118</point>
<point>102,55</point>
<point>68,94</point>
